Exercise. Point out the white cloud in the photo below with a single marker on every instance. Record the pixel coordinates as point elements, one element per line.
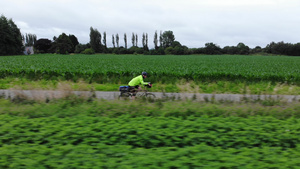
<point>194,22</point>
<point>22,24</point>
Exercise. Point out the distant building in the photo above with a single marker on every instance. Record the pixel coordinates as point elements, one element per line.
<point>28,50</point>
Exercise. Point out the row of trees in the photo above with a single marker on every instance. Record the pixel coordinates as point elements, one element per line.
<point>99,43</point>
<point>29,39</point>
<point>63,44</point>
<point>279,48</point>
<point>12,43</point>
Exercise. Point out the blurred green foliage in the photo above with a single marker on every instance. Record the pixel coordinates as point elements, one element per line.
<point>75,133</point>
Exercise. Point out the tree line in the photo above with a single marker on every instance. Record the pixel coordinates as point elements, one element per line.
<point>12,42</point>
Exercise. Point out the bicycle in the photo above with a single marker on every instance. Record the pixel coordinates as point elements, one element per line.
<point>125,93</point>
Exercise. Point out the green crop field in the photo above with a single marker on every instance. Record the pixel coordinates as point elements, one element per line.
<point>169,73</point>
<point>165,69</point>
<point>124,134</point>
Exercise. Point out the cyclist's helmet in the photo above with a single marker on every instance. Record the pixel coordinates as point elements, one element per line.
<point>145,73</point>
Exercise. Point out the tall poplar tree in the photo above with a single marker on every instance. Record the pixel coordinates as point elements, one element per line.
<point>133,39</point>
<point>117,40</point>
<point>104,40</point>
<point>160,39</point>
<point>155,41</point>
<point>136,40</point>
<point>113,40</point>
<point>144,41</point>
<point>125,40</point>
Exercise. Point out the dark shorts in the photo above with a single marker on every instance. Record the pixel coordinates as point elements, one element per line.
<point>133,90</point>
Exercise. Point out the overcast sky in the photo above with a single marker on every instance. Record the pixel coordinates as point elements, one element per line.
<point>193,22</point>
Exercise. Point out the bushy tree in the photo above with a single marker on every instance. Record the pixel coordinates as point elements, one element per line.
<point>255,50</point>
<point>88,51</point>
<point>295,50</point>
<point>176,49</point>
<point>42,45</point>
<point>95,40</point>
<point>230,50</point>
<point>123,50</point>
<point>10,37</point>
<point>212,49</point>
<point>74,41</point>
<point>63,44</point>
<point>81,47</point>
<point>135,50</point>
<point>243,49</point>
<point>281,48</point>
<point>169,50</point>
<point>167,39</point>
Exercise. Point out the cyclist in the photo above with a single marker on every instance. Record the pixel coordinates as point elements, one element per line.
<point>135,82</point>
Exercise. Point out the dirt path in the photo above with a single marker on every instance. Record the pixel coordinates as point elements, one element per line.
<point>51,94</point>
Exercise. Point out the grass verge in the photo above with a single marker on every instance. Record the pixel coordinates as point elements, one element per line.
<point>222,86</point>
<point>164,108</point>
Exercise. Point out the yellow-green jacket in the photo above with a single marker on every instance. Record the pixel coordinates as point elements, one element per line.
<point>137,81</point>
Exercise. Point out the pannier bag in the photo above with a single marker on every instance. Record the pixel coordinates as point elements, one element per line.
<point>123,88</point>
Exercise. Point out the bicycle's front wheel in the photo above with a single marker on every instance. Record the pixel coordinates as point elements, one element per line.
<point>146,95</point>
<point>150,96</point>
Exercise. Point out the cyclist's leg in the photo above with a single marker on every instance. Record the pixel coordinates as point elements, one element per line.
<point>132,89</point>
<point>138,88</point>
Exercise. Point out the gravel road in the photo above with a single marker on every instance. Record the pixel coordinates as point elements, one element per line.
<point>52,94</point>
